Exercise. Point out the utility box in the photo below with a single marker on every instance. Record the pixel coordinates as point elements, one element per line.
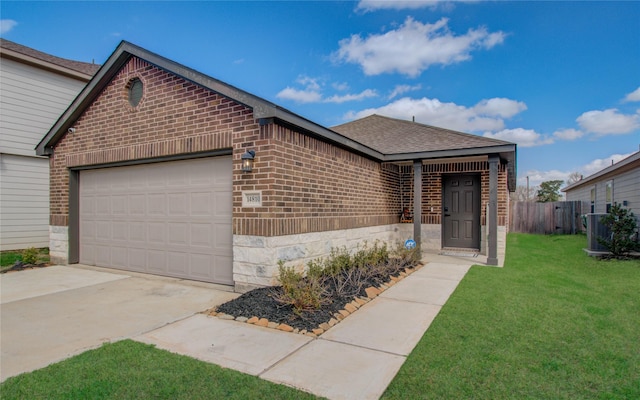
<point>595,230</point>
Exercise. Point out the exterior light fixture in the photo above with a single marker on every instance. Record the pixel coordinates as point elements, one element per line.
<point>247,160</point>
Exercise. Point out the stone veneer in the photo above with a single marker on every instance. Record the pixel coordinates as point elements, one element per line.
<point>255,258</point>
<point>59,244</point>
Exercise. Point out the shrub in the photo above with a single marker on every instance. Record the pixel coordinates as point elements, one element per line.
<point>623,226</point>
<point>366,256</point>
<point>302,293</point>
<point>407,256</point>
<point>339,259</point>
<point>30,255</point>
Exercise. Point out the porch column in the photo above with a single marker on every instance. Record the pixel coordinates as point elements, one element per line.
<point>417,202</point>
<point>492,218</point>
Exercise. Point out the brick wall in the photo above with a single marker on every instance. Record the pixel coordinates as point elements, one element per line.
<point>307,185</point>
<point>432,188</point>
<point>311,186</point>
<point>173,117</point>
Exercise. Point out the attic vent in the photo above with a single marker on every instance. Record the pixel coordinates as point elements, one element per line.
<point>134,88</point>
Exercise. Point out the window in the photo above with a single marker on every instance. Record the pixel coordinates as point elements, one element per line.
<point>593,200</point>
<point>609,194</point>
<point>135,91</point>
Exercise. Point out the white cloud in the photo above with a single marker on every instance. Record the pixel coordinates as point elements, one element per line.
<point>351,97</point>
<point>308,82</point>
<point>536,177</point>
<point>312,92</point>
<point>500,107</point>
<point>601,163</point>
<point>340,86</point>
<point>401,89</point>
<point>6,25</point>
<point>446,115</point>
<point>608,122</point>
<point>568,134</point>
<point>372,5</point>
<point>633,96</point>
<point>413,47</point>
<point>300,96</point>
<point>523,137</point>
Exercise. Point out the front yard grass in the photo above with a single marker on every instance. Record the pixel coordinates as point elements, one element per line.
<point>552,324</point>
<point>133,370</point>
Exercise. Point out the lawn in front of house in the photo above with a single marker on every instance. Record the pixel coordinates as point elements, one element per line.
<point>552,324</point>
<point>133,370</point>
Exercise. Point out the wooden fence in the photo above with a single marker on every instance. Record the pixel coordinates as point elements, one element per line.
<point>560,217</point>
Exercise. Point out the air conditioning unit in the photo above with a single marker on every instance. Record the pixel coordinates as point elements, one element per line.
<point>595,230</point>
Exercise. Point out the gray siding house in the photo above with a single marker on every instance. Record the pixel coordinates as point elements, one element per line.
<point>36,89</point>
<point>616,184</point>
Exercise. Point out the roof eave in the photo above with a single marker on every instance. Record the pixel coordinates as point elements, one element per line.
<point>36,62</point>
<point>504,150</point>
<point>262,109</point>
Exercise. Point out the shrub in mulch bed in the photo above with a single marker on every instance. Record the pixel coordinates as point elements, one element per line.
<point>306,301</point>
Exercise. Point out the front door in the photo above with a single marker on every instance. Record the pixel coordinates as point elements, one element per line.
<point>461,211</point>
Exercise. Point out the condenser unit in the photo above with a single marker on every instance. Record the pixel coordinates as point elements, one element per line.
<point>595,230</point>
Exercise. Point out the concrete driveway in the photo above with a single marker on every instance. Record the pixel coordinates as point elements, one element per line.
<point>49,314</point>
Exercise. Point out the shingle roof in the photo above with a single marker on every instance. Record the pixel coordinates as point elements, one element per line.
<point>395,136</point>
<point>79,66</point>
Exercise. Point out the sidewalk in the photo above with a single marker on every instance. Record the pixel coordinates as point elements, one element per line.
<point>356,359</point>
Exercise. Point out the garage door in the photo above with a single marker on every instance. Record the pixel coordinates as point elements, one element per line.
<point>170,218</point>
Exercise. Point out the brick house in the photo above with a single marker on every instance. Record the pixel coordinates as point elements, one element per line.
<point>146,175</point>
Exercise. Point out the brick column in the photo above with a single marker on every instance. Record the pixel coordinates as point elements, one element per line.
<point>492,222</point>
<point>417,202</point>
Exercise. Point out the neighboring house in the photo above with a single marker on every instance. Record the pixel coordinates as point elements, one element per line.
<point>35,89</point>
<point>147,176</point>
<point>616,184</point>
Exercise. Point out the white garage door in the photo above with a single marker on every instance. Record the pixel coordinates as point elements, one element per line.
<point>170,218</point>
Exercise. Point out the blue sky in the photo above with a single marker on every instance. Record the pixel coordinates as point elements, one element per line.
<point>561,79</point>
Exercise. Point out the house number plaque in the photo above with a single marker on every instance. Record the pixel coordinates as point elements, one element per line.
<point>252,198</point>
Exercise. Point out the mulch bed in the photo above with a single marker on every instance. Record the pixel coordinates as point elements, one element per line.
<point>263,303</point>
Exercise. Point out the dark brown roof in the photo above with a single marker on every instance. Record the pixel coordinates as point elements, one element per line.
<point>395,136</point>
<point>79,66</point>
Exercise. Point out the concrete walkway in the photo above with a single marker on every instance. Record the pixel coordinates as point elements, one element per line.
<point>356,359</point>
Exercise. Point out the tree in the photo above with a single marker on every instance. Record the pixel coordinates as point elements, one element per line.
<point>549,191</point>
<point>521,194</point>
<point>573,178</point>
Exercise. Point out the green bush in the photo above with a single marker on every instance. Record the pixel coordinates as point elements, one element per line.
<point>623,226</point>
<point>30,255</point>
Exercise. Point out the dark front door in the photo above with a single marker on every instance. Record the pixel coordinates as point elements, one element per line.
<point>461,211</point>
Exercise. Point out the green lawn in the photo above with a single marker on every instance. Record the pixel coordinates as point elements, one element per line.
<point>552,324</point>
<point>133,370</point>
